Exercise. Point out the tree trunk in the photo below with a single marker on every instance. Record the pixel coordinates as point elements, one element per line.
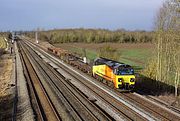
<point>176,85</point>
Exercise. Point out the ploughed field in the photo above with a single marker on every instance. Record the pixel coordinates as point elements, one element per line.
<point>135,54</point>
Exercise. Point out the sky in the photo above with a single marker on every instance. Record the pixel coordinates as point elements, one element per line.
<point>61,14</point>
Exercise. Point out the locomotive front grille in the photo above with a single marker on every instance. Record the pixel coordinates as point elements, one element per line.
<point>120,85</point>
<point>126,85</point>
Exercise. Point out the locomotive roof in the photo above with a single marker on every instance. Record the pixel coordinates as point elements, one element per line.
<point>111,63</point>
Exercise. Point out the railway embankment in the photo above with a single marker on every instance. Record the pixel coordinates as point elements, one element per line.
<point>6,87</point>
<point>7,77</point>
<point>14,99</point>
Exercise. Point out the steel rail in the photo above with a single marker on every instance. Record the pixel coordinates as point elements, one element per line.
<point>47,110</point>
<point>76,95</point>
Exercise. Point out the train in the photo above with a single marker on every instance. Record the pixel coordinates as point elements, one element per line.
<point>115,73</point>
<point>120,74</point>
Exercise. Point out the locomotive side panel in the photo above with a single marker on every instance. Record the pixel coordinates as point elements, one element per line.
<point>103,71</point>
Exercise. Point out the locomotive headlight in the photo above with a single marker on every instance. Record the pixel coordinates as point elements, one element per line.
<point>132,80</point>
<point>120,80</point>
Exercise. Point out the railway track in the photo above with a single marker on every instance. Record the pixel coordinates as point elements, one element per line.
<point>168,113</point>
<point>102,97</point>
<point>109,101</point>
<point>79,106</point>
<point>150,109</point>
<point>16,90</point>
<point>175,109</point>
<point>44,108</point>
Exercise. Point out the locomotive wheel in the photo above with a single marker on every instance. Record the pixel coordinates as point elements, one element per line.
<point>104,81</point>
<point>111,84</point>
<point>95,76</point>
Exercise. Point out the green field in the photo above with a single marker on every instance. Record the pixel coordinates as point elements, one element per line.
<point>136,55</point>
<point>2,43</point>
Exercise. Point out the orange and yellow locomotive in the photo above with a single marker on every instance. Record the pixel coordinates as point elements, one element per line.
<point>120,74</point>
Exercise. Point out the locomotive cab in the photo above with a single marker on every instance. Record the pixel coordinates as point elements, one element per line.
<point>125,77</point>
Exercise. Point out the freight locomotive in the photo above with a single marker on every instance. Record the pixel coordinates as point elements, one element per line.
<point>119,74</point>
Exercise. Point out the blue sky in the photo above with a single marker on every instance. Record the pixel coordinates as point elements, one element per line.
<point>50,14</point>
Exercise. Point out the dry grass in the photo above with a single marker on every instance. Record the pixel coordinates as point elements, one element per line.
<point>5,76</point>
<point>2,43</point>
<point>6,97</point>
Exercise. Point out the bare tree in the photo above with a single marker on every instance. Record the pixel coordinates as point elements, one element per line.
<point>168,43</point>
